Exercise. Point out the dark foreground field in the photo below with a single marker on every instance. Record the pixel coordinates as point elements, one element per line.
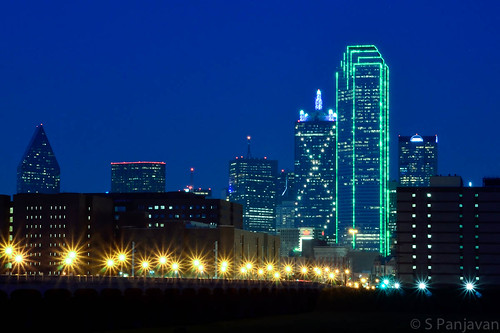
<point>246,308</point>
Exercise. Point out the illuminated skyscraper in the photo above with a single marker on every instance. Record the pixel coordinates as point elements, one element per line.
<point>252,183</point>
<point>129,177</point>
<point>363,149</point>
<point>38,171</point>
<point>417,160</point>
<point>315,168</point>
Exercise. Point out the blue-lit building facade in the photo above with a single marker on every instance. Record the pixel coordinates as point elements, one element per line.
<point>362,104</point>
<point>252,183</point>
<point>418,159</point>
<point>38,171</point>
<point>315,169</point>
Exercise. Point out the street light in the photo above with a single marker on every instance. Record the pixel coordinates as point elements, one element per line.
<point>18,262</point>
<point>8,251</point>
<point>109,265</point>
<point>243,271</point>
<point>224,265</point>
<point>346,276</point>
<point>70,261</point>
<point>162,262</point>
<point>353,232</point>
<point>288,270</point>
<point>175,268</point>
<point>422,287</point>
<point>145,266</point>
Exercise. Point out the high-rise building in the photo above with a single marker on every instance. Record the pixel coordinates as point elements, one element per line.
<point>38,171</point>
<point>418,159</point>
<point>363,149</point>
<point>252,183</point>
<point>129,177</point>
<point>315,169</point>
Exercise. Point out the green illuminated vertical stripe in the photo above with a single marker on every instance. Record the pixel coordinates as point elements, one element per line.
<point>353,146</point>
<point>387,159</point>
<point>381,164</point>
<point>337,159</point>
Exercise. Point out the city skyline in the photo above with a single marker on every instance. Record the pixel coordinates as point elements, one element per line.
<point>126,88</point>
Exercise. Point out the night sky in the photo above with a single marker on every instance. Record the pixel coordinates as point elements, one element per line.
<point>186,81</point>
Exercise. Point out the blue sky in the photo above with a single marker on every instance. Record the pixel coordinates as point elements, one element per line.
<point>186,81</point>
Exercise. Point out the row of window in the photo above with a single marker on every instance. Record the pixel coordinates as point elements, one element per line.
<point>60,207</point>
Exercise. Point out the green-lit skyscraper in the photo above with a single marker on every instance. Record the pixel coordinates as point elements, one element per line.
<point>363,149</point>
<point>315,169</point>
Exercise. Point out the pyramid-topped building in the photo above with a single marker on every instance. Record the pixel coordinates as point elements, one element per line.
<point>38,171</point>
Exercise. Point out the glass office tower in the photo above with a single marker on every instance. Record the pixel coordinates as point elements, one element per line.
<point>38,171</point>
<point>417,160</point>
<point>315,169</point>
<point>252,183</point>
<point>130,177</point>
<point>363,149</point>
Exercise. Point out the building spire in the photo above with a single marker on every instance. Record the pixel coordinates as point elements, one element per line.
<point>249,154</point>
<point>319,101</point>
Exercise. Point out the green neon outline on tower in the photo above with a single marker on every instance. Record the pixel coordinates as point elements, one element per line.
<point>363,148</point>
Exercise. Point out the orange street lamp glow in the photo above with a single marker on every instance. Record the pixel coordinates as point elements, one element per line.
<point>162,260</point>
<point>18,258</point>
<point>9,250</point>
<point>110,263</point>
<point>196,262</point>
